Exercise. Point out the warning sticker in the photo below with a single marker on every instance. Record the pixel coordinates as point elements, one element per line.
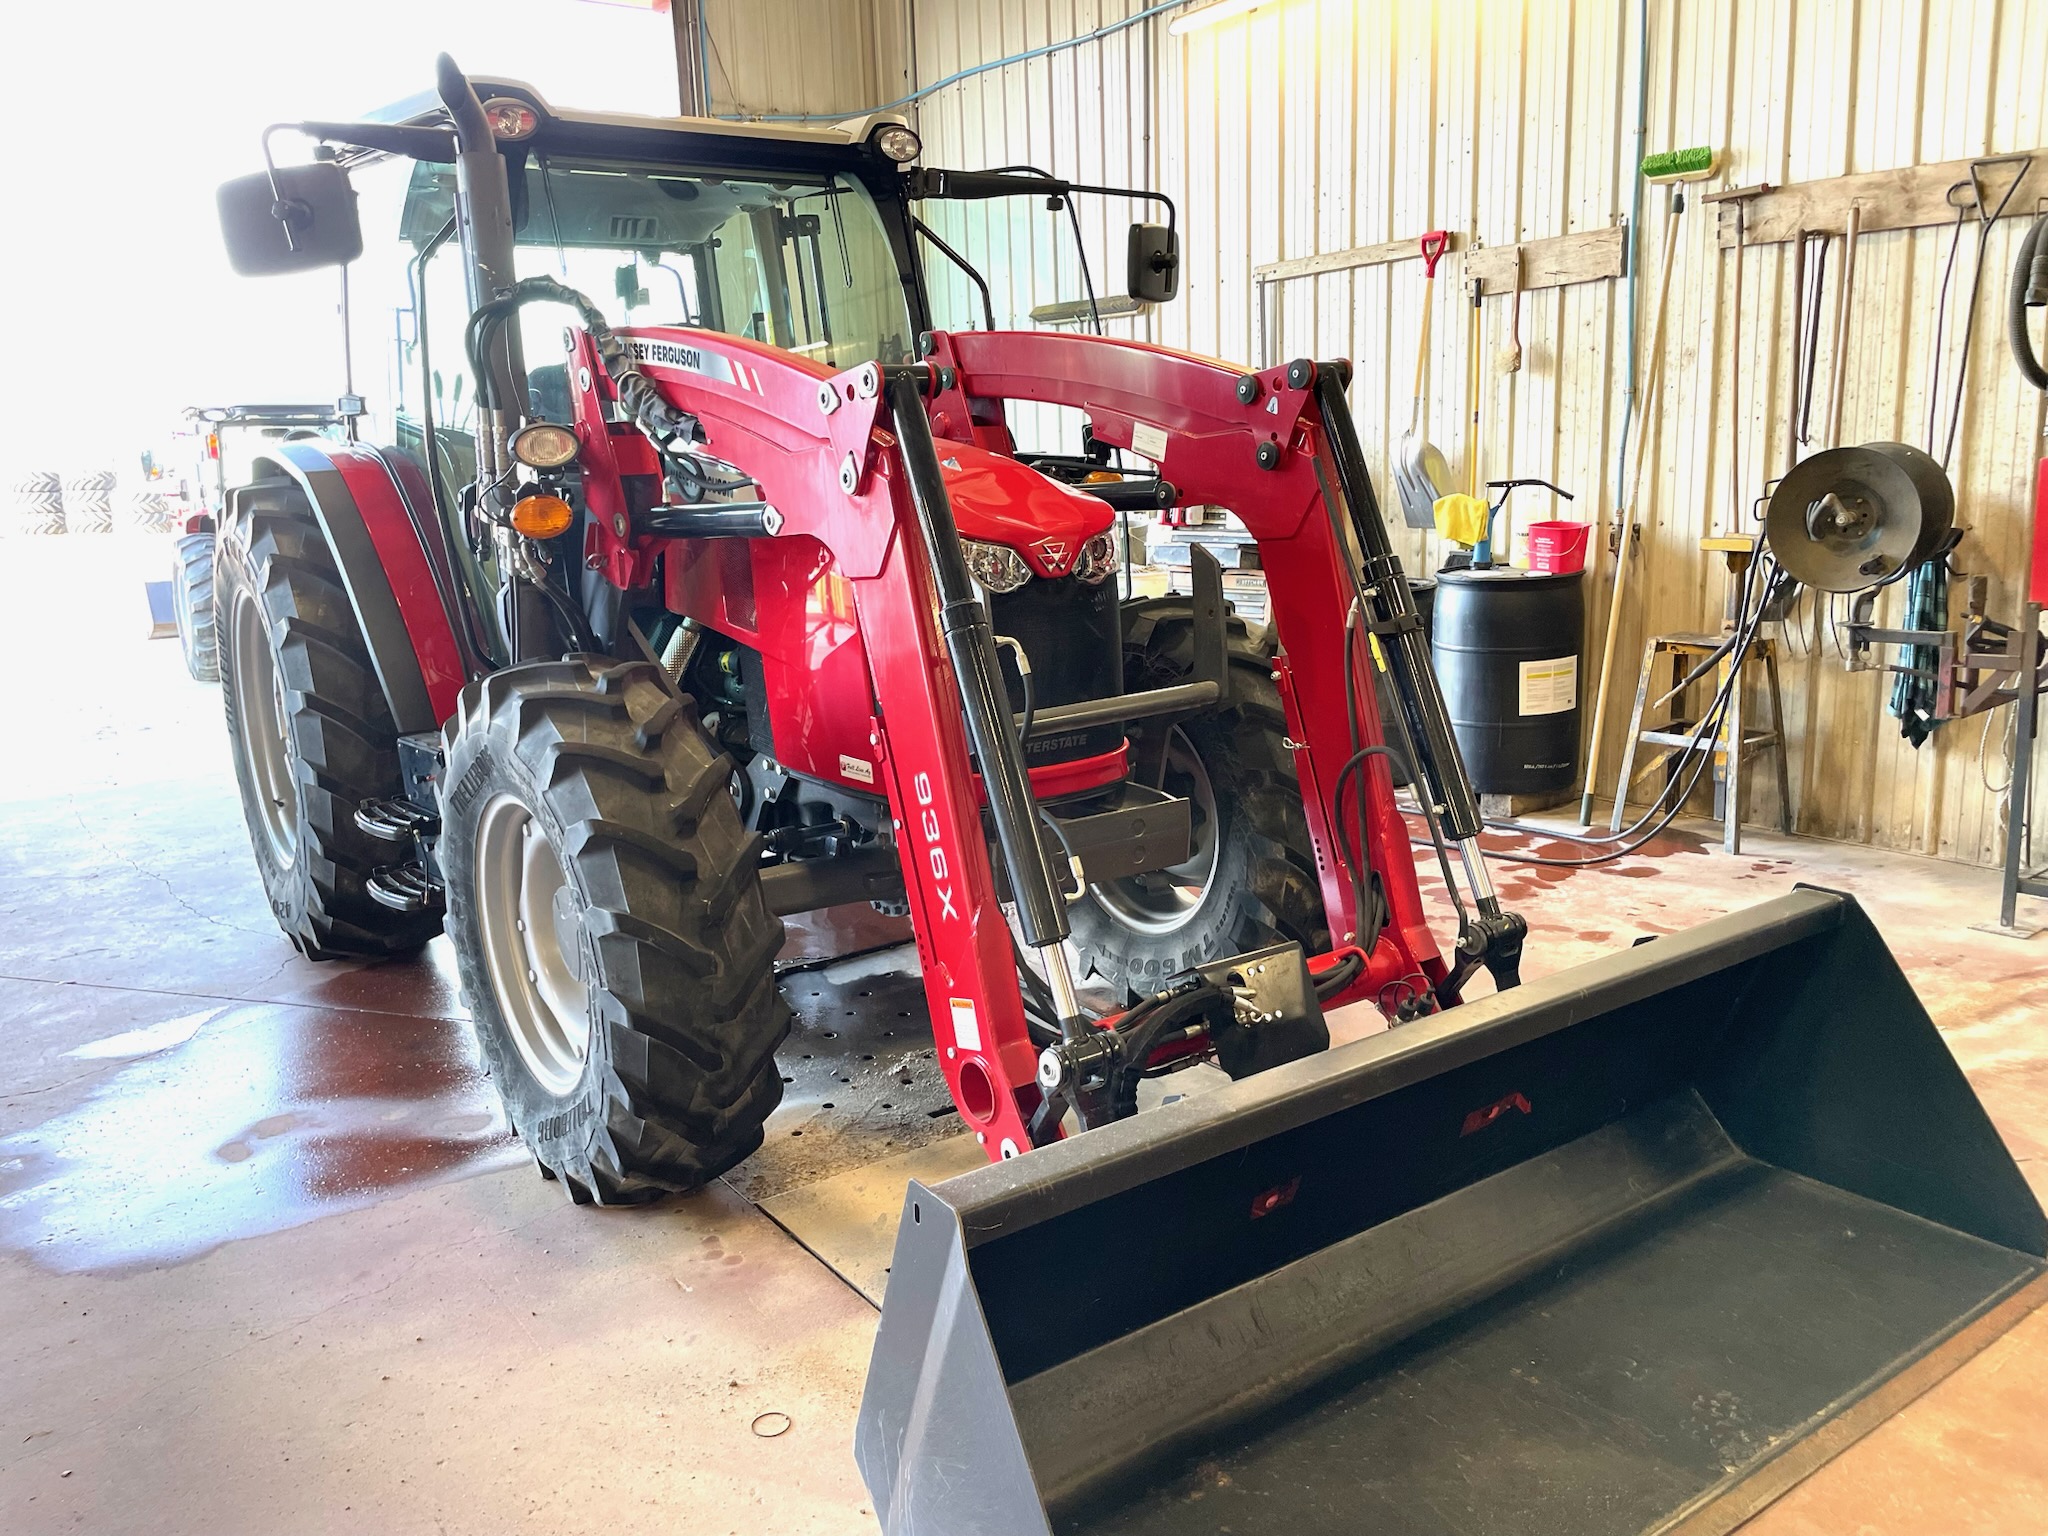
<point>1148,440</point>
<point>1550,687</point>
<point>966,1027</point>
<point>858,769</point>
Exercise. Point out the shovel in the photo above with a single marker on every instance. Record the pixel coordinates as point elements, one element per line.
<point>1629,1249</point>
<point>1421,473</point>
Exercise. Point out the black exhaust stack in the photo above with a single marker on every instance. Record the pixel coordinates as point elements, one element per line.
<point>1583,1258</point>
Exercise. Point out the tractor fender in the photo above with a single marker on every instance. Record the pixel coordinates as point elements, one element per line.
<point>356,496</point>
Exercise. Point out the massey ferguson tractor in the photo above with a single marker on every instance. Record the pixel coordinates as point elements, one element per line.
<point>696,579</point>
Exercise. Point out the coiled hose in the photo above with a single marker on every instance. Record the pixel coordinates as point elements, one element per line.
<point>643,402</point>
<point>2029,291</point>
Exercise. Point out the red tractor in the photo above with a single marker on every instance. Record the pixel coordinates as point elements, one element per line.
<point>754,605</point>
<point>762,610</point>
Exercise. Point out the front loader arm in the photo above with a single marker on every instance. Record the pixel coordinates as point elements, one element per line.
<point>835,461</point>
<point>1276,447</point>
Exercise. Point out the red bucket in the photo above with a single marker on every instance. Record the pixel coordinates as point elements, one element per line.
<point>1558,547</point>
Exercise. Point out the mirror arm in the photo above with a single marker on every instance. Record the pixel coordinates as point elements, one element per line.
<point>407,139</point>
<point>988,309</point>
<point>290,212</point>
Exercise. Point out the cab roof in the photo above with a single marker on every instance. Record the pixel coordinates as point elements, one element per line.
<point>851,133</point>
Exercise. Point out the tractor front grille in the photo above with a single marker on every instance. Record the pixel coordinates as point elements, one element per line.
<point>1072,633</point>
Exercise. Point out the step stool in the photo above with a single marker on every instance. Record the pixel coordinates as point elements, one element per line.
<point>1674,736</point>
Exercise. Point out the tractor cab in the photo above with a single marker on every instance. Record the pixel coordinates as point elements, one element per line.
<point>804,239</point>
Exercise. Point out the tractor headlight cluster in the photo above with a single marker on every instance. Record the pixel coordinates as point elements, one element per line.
<point>1097,559</point>
<point>996,566</point>
<point>898,143</point>
<point>544,445</point>
<point>510,118</point>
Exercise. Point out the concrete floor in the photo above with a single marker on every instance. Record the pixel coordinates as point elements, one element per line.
<point>269,1262</point>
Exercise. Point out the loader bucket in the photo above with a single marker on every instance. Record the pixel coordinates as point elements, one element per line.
<point>1629,1249</point>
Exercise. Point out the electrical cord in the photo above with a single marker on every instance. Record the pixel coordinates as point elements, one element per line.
<point>1366,893</point>
<point>1024,681</point>
<point>1080,246</point>
<point>1698,748</point>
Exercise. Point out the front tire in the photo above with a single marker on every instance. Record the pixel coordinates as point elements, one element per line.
<point>312,735</point>
<point>1251,879</point>
<point>610,932</point>
<point>192,598</point>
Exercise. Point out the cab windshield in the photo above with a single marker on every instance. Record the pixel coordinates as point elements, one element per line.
<point>802,264</point>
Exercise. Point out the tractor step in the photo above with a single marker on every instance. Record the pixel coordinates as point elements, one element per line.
<point>396,820</point>
<point>405,888</point>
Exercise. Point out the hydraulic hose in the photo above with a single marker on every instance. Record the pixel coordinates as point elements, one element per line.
<point>637,392</point>
<point>2029,291</point>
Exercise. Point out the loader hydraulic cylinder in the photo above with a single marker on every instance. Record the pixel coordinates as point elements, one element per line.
<point>1391,613</point>
<point>1494,936</point>
<point>991,730</point>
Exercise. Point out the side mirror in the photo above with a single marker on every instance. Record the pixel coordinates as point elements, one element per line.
<point>308,221</point>
<point>1153,274</point>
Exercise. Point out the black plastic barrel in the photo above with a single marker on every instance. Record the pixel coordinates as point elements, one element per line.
<point>1506,644</point>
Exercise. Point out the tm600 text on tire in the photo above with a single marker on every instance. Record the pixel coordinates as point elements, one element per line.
<point>311,733</point>
<point>1250,879</point>
<point>610,932</point>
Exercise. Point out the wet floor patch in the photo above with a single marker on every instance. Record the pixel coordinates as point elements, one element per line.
<point>242,1121</point>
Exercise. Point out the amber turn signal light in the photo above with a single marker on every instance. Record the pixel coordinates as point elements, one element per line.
<point>542,517</point>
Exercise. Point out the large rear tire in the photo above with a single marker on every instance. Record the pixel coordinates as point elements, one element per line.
<point>192,598</point>
<point>312,735</point>
<point>1251,879</point>
<point>610,932</point>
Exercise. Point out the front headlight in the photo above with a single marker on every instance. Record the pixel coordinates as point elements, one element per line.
<point>510,118</point>
<point>996,566</point>
<point>544,445</point>
<point>897,142</point>
<point>1097,558</point>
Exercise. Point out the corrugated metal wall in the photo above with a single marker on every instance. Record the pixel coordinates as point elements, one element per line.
<point>774,57</point>
<point>1316,125</point>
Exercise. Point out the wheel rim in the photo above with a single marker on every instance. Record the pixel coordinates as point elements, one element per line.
<point>264,734</point>
<point>531,928</point>
<point>1166,900</point>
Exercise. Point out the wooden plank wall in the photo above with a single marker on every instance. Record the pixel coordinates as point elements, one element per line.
<point>1316,125</point>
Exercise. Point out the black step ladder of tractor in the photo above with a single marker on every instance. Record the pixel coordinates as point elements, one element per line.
<point>404,886</point>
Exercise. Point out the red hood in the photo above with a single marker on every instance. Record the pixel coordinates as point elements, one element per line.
<point>995,499</point>
<point>999,501</point>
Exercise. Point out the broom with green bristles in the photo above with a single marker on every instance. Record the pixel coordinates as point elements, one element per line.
<point>1681,165</point>
<point>1667,167</point>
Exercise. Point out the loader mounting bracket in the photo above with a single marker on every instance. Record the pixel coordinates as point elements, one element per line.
<point>1272,1015</point>
<point>1258,1010</point>
<point>1494,940</point>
